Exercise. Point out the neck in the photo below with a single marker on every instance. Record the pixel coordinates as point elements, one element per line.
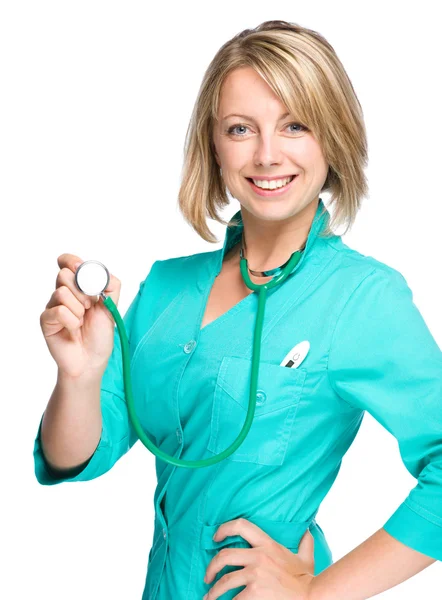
<point>269,244</point>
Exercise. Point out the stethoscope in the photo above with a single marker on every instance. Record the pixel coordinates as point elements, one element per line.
<point>92,275</point>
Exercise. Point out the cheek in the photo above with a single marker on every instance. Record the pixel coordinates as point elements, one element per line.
<point>236,156</point>
<point>312,153</point>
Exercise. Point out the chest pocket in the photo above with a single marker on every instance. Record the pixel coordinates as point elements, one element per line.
<point>278,393</point>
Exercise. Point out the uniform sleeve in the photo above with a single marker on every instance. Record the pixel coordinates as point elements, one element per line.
<point>117,435</point>
<point>384,359</point>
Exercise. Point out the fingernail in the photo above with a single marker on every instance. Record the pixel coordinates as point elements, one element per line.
<point>204,597</point>
<point>77,265</point>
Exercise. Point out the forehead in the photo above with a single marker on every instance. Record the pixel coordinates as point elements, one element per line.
<point>245,90</point>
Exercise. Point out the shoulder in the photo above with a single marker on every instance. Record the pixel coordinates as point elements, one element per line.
<point>359,269</point>
<point>169,281</point>
<point>180,270</point>
<point>180,263</point>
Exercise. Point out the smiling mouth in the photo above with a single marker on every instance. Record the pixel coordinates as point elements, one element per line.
<point>267,191</point>
<point>270,180</point>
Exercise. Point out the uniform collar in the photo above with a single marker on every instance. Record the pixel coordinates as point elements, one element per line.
<point>233,235</point>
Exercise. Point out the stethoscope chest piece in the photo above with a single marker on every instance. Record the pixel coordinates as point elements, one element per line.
<point>92,278</point>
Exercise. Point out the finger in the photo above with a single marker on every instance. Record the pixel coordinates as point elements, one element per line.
<point>64,296</point>
<point>66,278</point>
<point>59,315</point>
<point>246,529</point>
<point>236,556</point>
<point>230,581</point>
<point>69,264</point>
<point>113,289</point>
<point>69,261</point>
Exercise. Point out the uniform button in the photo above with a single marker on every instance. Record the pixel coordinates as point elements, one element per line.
<point>164,534</point>
<point>260,397</point>
<point>178,435</point>
<point>189,346</point>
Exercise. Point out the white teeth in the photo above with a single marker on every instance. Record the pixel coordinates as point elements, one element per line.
<point>274,184</point>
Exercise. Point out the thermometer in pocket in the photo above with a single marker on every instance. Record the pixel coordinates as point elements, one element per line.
<point>296,355</point>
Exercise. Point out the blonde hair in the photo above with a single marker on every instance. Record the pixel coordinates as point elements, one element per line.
<point>303,70</point>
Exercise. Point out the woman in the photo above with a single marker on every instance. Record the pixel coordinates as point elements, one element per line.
<point>275,103</point>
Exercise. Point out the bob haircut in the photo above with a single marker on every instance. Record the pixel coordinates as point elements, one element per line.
<point>303,70</point>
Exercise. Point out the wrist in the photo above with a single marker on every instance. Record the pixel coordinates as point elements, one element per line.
<point>87,379</point>
<point>316,591</point>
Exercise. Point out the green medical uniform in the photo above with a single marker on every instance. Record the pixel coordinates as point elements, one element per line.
<point>370,350</point>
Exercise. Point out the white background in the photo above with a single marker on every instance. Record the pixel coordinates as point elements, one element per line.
<point>94,106</point>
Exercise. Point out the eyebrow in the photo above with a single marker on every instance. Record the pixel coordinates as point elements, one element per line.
<point>251,118</point>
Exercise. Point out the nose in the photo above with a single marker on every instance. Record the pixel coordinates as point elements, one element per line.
<point>268,150</point>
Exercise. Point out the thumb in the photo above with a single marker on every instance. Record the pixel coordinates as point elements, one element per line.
<point>113,288</point>
<point>306,546</point>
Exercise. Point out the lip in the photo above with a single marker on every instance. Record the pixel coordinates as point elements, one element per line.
<point>271,193</point>
<point>273,178</point>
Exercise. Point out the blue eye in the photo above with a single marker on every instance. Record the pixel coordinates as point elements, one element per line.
<point>298,125</point>
<point>231,129</point>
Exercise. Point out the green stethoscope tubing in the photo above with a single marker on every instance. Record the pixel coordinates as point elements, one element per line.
<point>262,296</point>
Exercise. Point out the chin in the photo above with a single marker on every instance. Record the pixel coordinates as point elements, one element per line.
<point>278,211</point>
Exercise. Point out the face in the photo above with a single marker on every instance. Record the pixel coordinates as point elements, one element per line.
<point>265,144</point>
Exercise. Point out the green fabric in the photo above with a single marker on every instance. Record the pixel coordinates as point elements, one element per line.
<point>370,350</point>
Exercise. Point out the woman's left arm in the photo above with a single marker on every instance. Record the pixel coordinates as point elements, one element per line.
<point>384,359</point>
<point>376,565</point>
